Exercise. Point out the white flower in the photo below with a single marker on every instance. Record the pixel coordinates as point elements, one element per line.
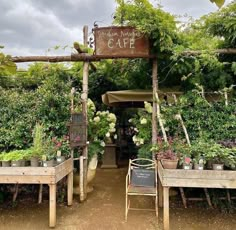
<point>177,117</point>
<point>108,134</point>
<point>115,136</point>
<point>148,107</point>
<point>111,117</point>
<point>167,129</point>
<point>91,105</point>
<point>102,144</point>
<point>130,120</point>
<point>96,119</point>
<point>112,130</point>
<point>141,141</point>
<point>136,130</point>
<point>112,125</point>
<point>134,138</point>
<point>143,121</point>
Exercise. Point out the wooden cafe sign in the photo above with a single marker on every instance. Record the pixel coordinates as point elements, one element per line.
<point>120,42</point>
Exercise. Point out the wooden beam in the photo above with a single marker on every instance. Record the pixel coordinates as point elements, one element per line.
<point>70,58</point>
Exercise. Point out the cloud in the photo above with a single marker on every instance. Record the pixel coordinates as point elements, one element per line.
<point>32,26</point>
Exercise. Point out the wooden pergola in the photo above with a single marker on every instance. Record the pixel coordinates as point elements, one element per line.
<point>87,59</point>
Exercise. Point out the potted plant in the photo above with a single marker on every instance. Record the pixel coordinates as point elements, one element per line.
<point>38,145</point>
<point>12,158</point>
<point>184,151</point>
<point>5,160</point>
<point>219,155</point>
<point>166,154</point>
<point>62,148</point>
<point>197,149</point>
<point>48,158</point>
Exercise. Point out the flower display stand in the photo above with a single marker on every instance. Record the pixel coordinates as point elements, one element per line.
<point>225,179</point>
<point>109,157</point>
<point>42,175</point>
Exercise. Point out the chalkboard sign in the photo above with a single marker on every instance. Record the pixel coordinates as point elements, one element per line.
<point>143,177</point>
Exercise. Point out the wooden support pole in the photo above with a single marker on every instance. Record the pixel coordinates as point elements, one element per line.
<point>40,194</point>
<point>52,205</point>
<point>84,98</point>
<point>160,194</point>
<point>154,105</point>
<point>81,177</point>
<point>15,192</point>
<point>70,188</point>
<point>166,208</point>
<point>182,194</point>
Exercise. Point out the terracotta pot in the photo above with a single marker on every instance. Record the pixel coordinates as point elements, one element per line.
<point>218,166</point>
<point>169,164</point>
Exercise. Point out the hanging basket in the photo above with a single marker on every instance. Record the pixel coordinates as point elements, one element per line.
<point>77,135</point>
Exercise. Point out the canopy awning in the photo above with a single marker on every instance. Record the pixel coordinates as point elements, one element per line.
<point>130,98</point>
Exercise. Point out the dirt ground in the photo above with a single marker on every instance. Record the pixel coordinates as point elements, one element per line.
<point>104,210</point>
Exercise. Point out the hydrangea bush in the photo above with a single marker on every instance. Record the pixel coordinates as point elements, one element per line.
<point>101,128</point>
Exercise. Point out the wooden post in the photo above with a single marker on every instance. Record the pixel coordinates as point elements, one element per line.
<point>84,98</point>
<point>166,208</point>
<point>52,205</point>
<point>15,192</point>
<point>70,188</point>
<point>160,194</point>
<point>154,105</point>
<point>40,194</point>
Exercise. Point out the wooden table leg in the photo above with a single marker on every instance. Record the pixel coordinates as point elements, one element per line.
<point>160,194</point>
<point>52,205</point>
<point>70,188</point>
<point>166,208</point>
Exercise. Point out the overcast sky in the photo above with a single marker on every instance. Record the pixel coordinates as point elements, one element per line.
<point>31,27</point>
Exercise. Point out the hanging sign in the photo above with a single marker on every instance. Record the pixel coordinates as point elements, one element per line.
<point>120,42</point>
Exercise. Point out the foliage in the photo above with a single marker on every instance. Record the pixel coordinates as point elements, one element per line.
<point>62,144</point>
<point>157,24</point>
<point>223,24</point>
<point>17,109</point>
<point>101,128</point>
<point>221,155</point>
<point>38,140</point>
<point>6,65</point>
<point>15,155</point>
<point>211,121</point>
<point>21,109</point>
